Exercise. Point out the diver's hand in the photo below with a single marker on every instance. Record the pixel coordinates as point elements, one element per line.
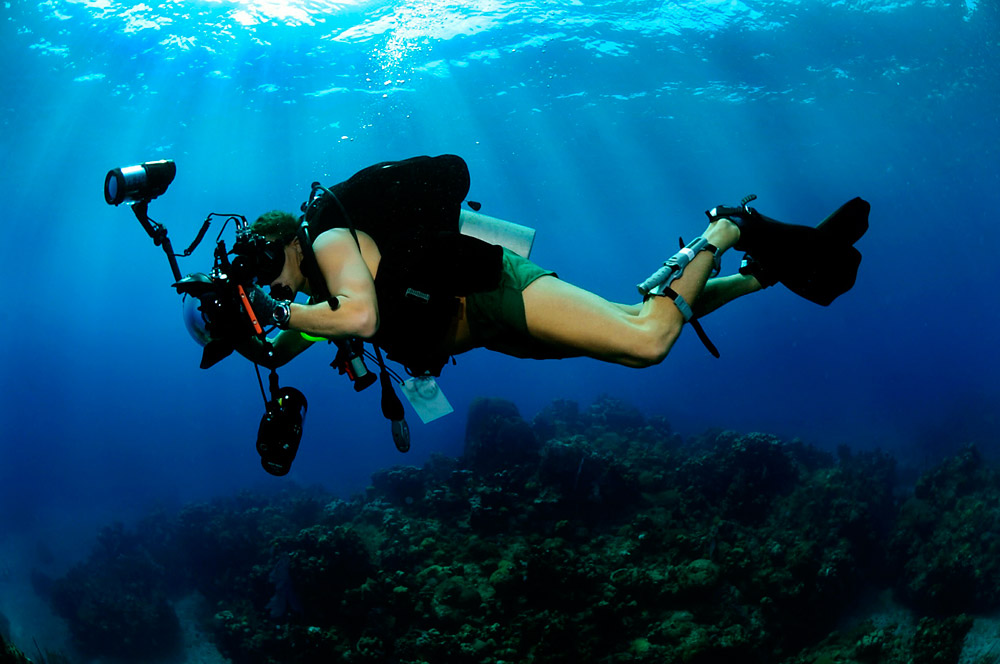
<point>269,310</point>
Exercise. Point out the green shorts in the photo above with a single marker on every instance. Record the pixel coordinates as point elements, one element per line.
<point>496,318</point>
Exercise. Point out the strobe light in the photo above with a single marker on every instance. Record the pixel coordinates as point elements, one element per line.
<point>144,182</point>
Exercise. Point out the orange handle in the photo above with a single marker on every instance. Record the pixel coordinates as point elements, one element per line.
<point>246,305</point>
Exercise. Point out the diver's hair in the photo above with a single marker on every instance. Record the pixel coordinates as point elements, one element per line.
<point>277,224</point>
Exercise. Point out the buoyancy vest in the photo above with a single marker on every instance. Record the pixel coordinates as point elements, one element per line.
<point>410,209</point>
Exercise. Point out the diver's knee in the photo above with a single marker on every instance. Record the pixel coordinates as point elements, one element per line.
<point>644,361</point>
<point>649,356</point>
<point>652,348</point>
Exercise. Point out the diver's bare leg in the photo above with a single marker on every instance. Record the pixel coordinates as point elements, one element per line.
<point>579,322</point>
<point>724,290</point>
<point>717,292</point>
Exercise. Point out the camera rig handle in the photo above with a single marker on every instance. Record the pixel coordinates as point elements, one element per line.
<point>159,234</point>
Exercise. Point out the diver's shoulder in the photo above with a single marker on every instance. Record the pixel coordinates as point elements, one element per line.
<point>340,237</point>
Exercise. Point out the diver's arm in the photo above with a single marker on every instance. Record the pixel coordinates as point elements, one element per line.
<point>286,345</point>
<point>350,281</point>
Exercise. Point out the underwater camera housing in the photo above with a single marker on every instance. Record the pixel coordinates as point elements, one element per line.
<point>217,311</point>
<point>226,317</point>
<point>280,429</point>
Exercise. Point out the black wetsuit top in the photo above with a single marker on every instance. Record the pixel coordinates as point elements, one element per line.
<point>411,208</point>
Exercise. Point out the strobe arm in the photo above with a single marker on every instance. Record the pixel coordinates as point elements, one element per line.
<point>159,234</point>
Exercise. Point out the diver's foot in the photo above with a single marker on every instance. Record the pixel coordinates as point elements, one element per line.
<point>750,231</point>
<point>751,268</point>
<point>817,263</point>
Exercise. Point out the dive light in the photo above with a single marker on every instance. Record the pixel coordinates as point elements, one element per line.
<point>133,184</point>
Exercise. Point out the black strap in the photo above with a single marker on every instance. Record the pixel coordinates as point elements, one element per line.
<point>310,268</point>
<point>340,206</point>
<point>698,329</point>
<point>392,407</point>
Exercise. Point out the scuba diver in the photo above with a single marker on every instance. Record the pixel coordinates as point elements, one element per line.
<point>389,257</point>
<point>425,294</point>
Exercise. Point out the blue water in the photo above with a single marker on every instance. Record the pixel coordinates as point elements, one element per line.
<point>608,126</point>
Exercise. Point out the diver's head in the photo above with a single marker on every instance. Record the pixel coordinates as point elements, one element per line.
<point>281,228</point>
<point>277,225</point>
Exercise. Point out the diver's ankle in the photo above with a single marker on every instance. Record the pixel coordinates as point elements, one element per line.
<point>750,283</point>
<point>723,233</point>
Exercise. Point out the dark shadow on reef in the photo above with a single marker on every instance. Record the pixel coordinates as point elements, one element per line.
<point>585,536</point>
<point>10,654</point>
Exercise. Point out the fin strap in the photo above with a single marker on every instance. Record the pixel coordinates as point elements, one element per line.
<point>750,267</point>
<point>703,336</point>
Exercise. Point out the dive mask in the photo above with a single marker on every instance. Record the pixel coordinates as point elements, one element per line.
<point>259,257</point>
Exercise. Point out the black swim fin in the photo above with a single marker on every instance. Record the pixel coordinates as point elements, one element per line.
<point>819,264</point>
<point>850,221</point>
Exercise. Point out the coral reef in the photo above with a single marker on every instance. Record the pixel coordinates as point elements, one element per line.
<point>591,536</point>
<point>9,654</point>
<point>116,601</point>
<point>935,641</point>
<point>946,547</point>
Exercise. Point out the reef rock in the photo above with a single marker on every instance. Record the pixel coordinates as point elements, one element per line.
<point>946,548</point>
<point>10,654</point>
<point>588,536</point>
<point>497,438</point>
<point>116,602</point>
